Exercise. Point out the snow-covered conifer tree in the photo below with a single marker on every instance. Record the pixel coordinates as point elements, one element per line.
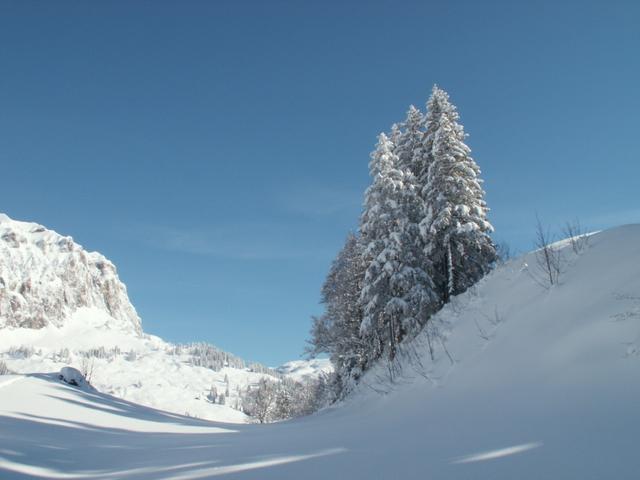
<point>455,229</point>
<point>424,236</point>
<point>337,331</point>
<point>408,140</point>
<point>396,296</point>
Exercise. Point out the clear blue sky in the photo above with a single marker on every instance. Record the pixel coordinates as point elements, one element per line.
<point>217,151</point>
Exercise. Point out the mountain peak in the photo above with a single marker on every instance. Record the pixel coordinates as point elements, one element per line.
<point>45,277</point>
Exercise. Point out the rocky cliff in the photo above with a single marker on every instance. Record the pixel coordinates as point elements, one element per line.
<point>45,277</point>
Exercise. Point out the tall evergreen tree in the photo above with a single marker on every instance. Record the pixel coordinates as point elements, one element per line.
<point>424,236</point>
<point>455,228</point>
<point>396,294</point>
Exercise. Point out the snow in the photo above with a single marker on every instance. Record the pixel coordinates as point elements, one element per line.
<point>537,383</point>
<point>143,369</point>
<point>70,301</point>
<point>301,370</point>
<point>45,277</point>
<point>72,376</point>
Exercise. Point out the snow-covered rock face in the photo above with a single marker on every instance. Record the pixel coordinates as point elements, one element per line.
<point>45,277</point>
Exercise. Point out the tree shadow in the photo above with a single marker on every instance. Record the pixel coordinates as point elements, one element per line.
<point>118,406</point>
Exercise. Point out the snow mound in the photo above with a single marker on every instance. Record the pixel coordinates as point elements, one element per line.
<point>46,277</point>
<point>72,376</point>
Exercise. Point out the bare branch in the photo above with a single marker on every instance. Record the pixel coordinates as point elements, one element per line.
<point>548,259</point>
<point>576,235</point>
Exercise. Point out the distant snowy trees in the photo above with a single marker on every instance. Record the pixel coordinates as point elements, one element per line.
<point>271,400</point>
<point>210,356</point>
<point>212,396</point>
<point>423,237</point>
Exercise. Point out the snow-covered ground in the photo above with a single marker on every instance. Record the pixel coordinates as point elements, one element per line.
<point>530,383</point>
<point>143,369</point>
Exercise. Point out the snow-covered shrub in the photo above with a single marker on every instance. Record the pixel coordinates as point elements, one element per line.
<point>21,351</point>
<point>99,352</point>
<point>212,396</point>
<point>259,401</point>
<point>549,260</point>
<point>62,355</point>
<point>4,370</point>
<point>87,365</point>
<point>503,251</point>
<point>577,237</point>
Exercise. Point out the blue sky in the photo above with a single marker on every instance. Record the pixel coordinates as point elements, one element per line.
<point>217,151</point>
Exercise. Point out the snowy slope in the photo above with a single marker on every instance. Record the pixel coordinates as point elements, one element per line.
<point>45,277</point>
<point>537,383</point>
<point>61,305</point>
<point>143,368</point>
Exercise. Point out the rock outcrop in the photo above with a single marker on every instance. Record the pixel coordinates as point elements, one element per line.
<point>45,277</point>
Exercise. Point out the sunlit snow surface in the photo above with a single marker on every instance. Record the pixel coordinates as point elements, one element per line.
<point>145,371</point>
<point>537,383</point>
<point>499,453</point>
<point>302,370</point>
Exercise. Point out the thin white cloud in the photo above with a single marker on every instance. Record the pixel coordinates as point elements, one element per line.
<point>243,241</point>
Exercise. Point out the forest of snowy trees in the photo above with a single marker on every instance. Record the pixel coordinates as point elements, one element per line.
<point>423,237</point>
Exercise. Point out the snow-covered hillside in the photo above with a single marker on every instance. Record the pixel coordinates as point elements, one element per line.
<point>302,370</point>
<point>528,382</point>
<point>140,368</point>
<point>60,305</point>
<point>45,277</point>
